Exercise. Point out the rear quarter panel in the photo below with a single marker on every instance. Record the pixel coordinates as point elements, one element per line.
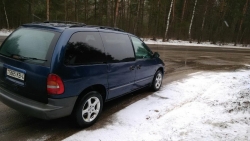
<point>76,78</point>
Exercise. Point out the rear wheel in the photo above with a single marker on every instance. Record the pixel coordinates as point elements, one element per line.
<point>88,109</point>
<point>157,81</point>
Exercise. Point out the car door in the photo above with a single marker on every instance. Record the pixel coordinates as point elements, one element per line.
<point>145,63</point>
<point>121,63</point>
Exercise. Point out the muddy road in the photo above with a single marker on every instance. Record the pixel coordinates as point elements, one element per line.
<point>179,62</point>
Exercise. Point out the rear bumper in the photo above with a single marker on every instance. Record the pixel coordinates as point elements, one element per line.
<point>55,108</point>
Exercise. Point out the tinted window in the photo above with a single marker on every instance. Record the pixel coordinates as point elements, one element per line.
<point>84,48</point>
<point>141,50</point>
<point>30,43</point>
<point>118,47</point>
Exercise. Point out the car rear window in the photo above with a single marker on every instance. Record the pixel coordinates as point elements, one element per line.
<point>28,43</point>
<point>84,48</point>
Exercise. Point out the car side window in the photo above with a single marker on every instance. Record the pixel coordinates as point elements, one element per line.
<point>141,50</point>
<point>118,47</point>
<point>84,48</point>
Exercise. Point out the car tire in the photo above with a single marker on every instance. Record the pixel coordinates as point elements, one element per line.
<point>157,81</point>
<point>88,109</point>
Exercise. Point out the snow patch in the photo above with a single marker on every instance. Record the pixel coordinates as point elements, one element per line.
<point>43,138</point>
<point>5,32</point>
<point>205,106</point>
<point>186,43</point>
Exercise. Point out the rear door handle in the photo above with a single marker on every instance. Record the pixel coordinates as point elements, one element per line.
<point>132,67</point>
<point>138,66</point>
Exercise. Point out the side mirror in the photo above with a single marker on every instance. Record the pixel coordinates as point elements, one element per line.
<point>156,55</point>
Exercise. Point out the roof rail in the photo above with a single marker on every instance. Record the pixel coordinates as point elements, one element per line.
<point>76,24</point>
<point>64,22</point>
<point>105,27</point>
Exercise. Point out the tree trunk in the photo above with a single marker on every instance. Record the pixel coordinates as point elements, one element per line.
<point>137,16</point>
<point>156,21</point>
<point>182,16</point>
<point>128,15</point>
<point>107,12</point>
<point>203,22</point>
<point>142,17</point>
<point>172,23</point>
<point>7,21</point>
<point>169,13</point>
<point>183,10</point>
<point>173,11</point>
<point>65,10</point>
<point>191,23</point>
<point>29,12</point>
<point>85,11</point>
<point>219,24</point>
<point>241,22</point>
<point>100,13</point>
<point>123,17</point>
<point>116,13</point>
<point>241,38</point>
<point>95,11</point>
<point>76,11</point>
<point>47,10</point>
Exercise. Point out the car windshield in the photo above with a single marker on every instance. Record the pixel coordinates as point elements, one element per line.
<point>28,43</point>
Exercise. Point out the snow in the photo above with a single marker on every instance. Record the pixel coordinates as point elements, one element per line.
<point>186,43</point>
<point>5,32</point>
<point>204,106</point>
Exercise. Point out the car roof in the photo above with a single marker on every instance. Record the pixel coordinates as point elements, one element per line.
<point>61,26</point>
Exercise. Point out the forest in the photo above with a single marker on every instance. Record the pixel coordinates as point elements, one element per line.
<point>216,21</point>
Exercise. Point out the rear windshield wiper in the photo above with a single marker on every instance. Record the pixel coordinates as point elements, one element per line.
<point>23,58</point>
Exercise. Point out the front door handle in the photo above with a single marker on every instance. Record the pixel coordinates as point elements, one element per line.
<point>138,66</point>
<point>132,67</point>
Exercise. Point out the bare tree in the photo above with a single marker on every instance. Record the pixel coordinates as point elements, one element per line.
<point>142,18</point>
<point>203,22</point>
<point>156,21</point>
<point>86,10</point>
<point>183,10</point>
<point>107,12</point>
<point>65,10</point>
<point>76,11</point>
<point>191,22</point>
<point>116,13</point>
<point>95,10</point>
<point>128,14</point>
<point>169,13</point>
<point>182,17</point>
<point>137,16</point>
<point>217,34</point>
<point>173,16</point>
<point>241,22</point>
<point>7,21</point>
<point>47,10</point>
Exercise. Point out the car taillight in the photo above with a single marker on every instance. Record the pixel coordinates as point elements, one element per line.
<point>54,84</point>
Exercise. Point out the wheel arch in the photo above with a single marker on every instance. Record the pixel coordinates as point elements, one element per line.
<point>98,87</point>
<point>161,69</point>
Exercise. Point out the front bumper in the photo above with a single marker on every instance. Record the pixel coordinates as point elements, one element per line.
<point>55,108</point>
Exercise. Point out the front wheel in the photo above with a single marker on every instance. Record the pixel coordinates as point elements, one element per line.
<point>157,81</point>
<point>88,109</point>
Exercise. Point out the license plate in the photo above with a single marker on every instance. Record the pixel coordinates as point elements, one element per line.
<point>15,74</point>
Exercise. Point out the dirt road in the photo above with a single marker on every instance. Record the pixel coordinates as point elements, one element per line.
<point>179,60</point>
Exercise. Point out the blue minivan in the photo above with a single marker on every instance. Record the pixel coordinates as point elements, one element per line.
<point>52,70</point>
